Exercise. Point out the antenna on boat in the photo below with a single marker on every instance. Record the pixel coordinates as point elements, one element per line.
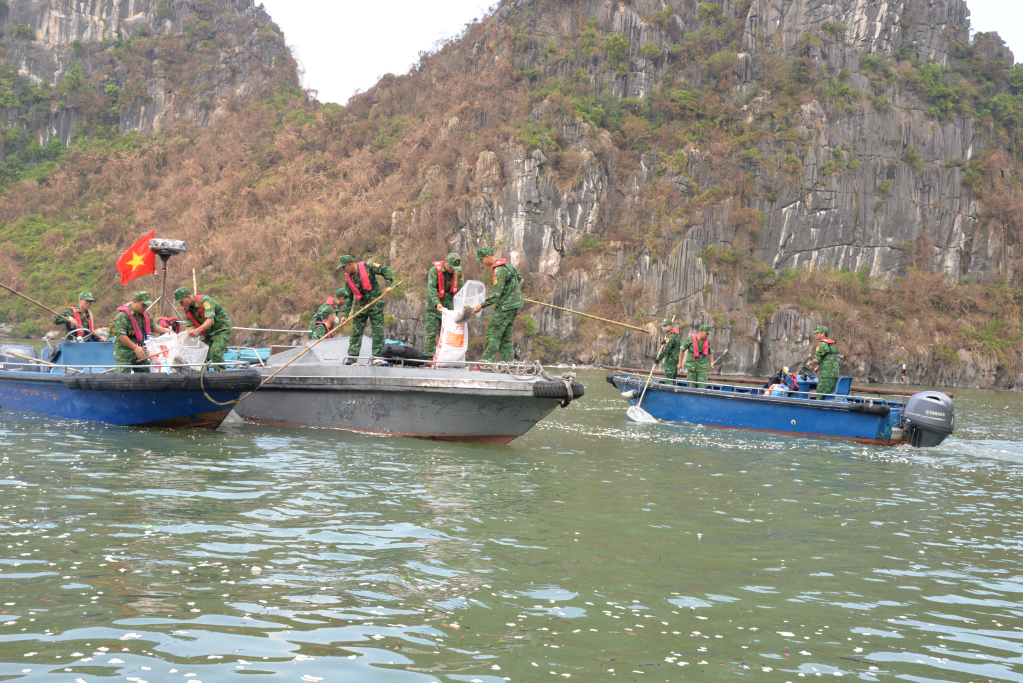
<point>165,249</point>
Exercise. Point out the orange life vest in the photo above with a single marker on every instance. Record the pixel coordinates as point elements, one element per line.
<point>439,265</point>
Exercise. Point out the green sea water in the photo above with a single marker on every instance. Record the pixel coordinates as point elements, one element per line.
<point>592,548</point>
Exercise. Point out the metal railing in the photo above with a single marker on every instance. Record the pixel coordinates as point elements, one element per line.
<point>676,384</point>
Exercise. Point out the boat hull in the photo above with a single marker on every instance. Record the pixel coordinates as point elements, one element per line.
<point>46,395</point>
<point>795,417</point>
<point>445,416</point>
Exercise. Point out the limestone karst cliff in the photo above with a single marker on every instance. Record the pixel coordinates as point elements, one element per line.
<point>157,61</point>
<point>758,165</point>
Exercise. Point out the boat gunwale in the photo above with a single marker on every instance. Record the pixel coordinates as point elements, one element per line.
<point>747,395</point>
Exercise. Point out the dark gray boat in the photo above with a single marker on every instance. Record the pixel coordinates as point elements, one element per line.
<point>490,406</point>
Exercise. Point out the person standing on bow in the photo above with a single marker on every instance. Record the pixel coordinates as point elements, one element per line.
<point>442,283</point>
<point>506,300</point>
<point>84,324</point>
<point>206,319</point>
<point>131,326</point>
<point>324,320</point>
<point>827,360</point>
<point>698,357</point>
<point>670,348</point>
<point>360,288</point>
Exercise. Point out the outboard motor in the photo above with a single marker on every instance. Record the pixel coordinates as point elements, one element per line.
<point>9,362</point>
<point>929,418</point>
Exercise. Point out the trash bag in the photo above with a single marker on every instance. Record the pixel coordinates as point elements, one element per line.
<point>176,352</point>
<point>398,351</point>
<point>453,340</point>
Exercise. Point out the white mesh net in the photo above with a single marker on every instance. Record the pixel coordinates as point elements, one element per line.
<point>473,293</point>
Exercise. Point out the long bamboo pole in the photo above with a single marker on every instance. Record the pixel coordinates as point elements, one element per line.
<point>44,362</point>
<point>736,380</point>
<point>587,315</point>
<point>311,346</point>
<point>31,300</point>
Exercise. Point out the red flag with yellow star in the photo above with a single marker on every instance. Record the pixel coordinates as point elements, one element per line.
<point>137,261</point>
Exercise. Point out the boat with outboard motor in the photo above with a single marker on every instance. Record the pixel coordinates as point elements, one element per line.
<point>403,396</point>
<point>926,419</point>
<point>76,385</point>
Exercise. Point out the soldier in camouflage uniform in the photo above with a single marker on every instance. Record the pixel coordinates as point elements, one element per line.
<point>442,283</point>
<point>207,319</point>
<point>670,348</point>
<point>79,318</point>
<point>359,289</point>
<point>130,328</point>
<point>827,358</point>
<point>506,300</point>
<point>698,357</point>
<point>324,320</point>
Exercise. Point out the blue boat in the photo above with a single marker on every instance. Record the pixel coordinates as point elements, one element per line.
<point>180,399</point>
<point>924,420</point>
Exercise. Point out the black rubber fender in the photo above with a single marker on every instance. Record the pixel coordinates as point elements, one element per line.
<point>610,379</point>
<point>880,409</point>
<point>228,381</point>
<point>239,380</point>
<point>558,390</point>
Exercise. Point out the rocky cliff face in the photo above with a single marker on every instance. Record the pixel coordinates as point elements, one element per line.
<point>868,181</point>
<point>172,61</point>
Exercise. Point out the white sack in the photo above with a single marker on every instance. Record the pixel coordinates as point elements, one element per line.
<point>453,340</point>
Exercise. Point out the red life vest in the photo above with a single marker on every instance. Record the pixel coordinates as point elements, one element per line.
<point>439,265</point>
<point>140,337</point>
<point>325,327</point>
<point>329,301</point>
<point>497,264</point>
<point>194,319</point>
<point>170,323</point>
<point>364,277</point>
<point>696,346</point>
<point>78,321</point>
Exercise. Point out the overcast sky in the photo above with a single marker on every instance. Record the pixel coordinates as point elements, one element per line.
<point>345,46</point>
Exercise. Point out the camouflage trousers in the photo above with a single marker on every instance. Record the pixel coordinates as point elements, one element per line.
<point>218,347</point>
<point>374,315</point>
<point>671,367</point>
<point>433,321</point>
<point>697,373</point>
<point>826,385</point>
<point>499,337</point>
<point>128,362</point>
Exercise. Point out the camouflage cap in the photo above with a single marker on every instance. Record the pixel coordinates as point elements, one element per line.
<point>705,328</point>
<point>821,329</point>
<point>180,293</point>
<point>454,260</point>
<point>483,251</point>
<point>86,296</point>
<point>324,312</point>
<point>344,261</point>
<point>666,322</point>
<point>144,297</point>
